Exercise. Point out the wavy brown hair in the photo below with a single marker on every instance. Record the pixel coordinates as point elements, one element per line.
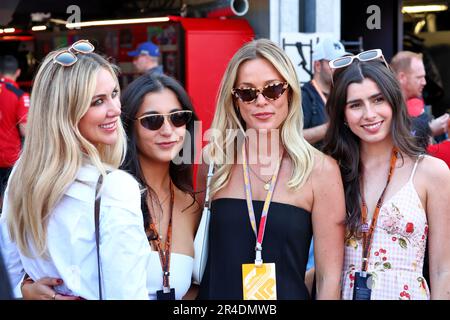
<point>132,99</point>
<point>344,146</point>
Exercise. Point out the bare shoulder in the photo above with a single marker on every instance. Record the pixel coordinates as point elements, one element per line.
<point>325,167</point>
<point>188,211</point>
<point>328,201</point>
<point>433,171</point>
<point>326,177</point>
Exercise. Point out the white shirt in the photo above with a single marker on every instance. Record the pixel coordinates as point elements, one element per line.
<point>124,250</point>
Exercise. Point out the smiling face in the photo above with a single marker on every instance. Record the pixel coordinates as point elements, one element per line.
<point>262,113</point>
<point>165,143</point>
<point>99,124</point>
<point>367,112</point>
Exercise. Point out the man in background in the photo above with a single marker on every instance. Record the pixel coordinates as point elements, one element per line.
<point>315,92</point>
<point>410,72</point>
<point>14,105</point>
<point>146,58</point>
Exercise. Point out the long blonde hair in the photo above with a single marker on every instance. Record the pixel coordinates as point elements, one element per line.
<point>54,148</point>
<point>299,150</point>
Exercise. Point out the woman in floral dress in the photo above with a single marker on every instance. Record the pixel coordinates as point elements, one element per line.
<point>397,199</point>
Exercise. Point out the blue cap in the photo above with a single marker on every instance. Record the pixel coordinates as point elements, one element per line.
<point>148,48</point>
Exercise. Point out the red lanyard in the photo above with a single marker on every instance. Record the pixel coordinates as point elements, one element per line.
<point>368,232</point>
<point>251,212</point>
<point>164,254</point>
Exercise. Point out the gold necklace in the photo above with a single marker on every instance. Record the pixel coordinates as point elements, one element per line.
<point>266,183</point>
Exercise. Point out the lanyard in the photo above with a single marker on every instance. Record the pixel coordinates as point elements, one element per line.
<point>369,232</point>
<point>164,254</point>
<point>259,234</point>
<point>319,91</point>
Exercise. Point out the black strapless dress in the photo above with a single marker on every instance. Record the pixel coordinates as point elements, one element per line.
<point>232,242</point>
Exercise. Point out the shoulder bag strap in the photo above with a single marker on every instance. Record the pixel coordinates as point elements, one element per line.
<point>201,237</point>
<point>97,232</point>
<point>208,181</point>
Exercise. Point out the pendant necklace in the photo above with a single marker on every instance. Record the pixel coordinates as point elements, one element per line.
<point>266,183</point>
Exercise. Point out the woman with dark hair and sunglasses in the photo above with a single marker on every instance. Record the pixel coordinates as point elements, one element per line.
<point>270,189</point>
<point>159,122</point>
<point>75,136</point>
<point>395,196</point>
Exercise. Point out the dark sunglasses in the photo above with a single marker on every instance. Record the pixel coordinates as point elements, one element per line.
<point>68,57</point>
<point>271,92</point>
<point>156,120</point>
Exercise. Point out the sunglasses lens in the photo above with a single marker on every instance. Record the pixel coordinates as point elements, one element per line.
<point>179,119</point>
<point>273,91</point>
<point>368,55</point>
<point>152,122</point>
<point>66,58</point>
<point>246,95</point>
<point>83,46</point>
<point>342,62</point>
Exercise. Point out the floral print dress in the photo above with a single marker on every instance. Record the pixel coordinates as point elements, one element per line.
<point>398,250</point>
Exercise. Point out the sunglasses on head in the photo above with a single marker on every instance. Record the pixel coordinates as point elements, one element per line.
<point>68,57</point>
<point>154,121</point>
<point>363,56</point>
<point>271,92</point>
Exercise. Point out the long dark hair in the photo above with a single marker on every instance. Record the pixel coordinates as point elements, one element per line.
<point>344,146</point>
<point>132,98</point>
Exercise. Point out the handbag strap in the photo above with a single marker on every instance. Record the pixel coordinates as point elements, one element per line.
<point>97,232</point>
<point>208,180</point>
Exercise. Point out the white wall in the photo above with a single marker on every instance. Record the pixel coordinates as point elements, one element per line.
<point>284,16</point>
<point>328,17</point>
